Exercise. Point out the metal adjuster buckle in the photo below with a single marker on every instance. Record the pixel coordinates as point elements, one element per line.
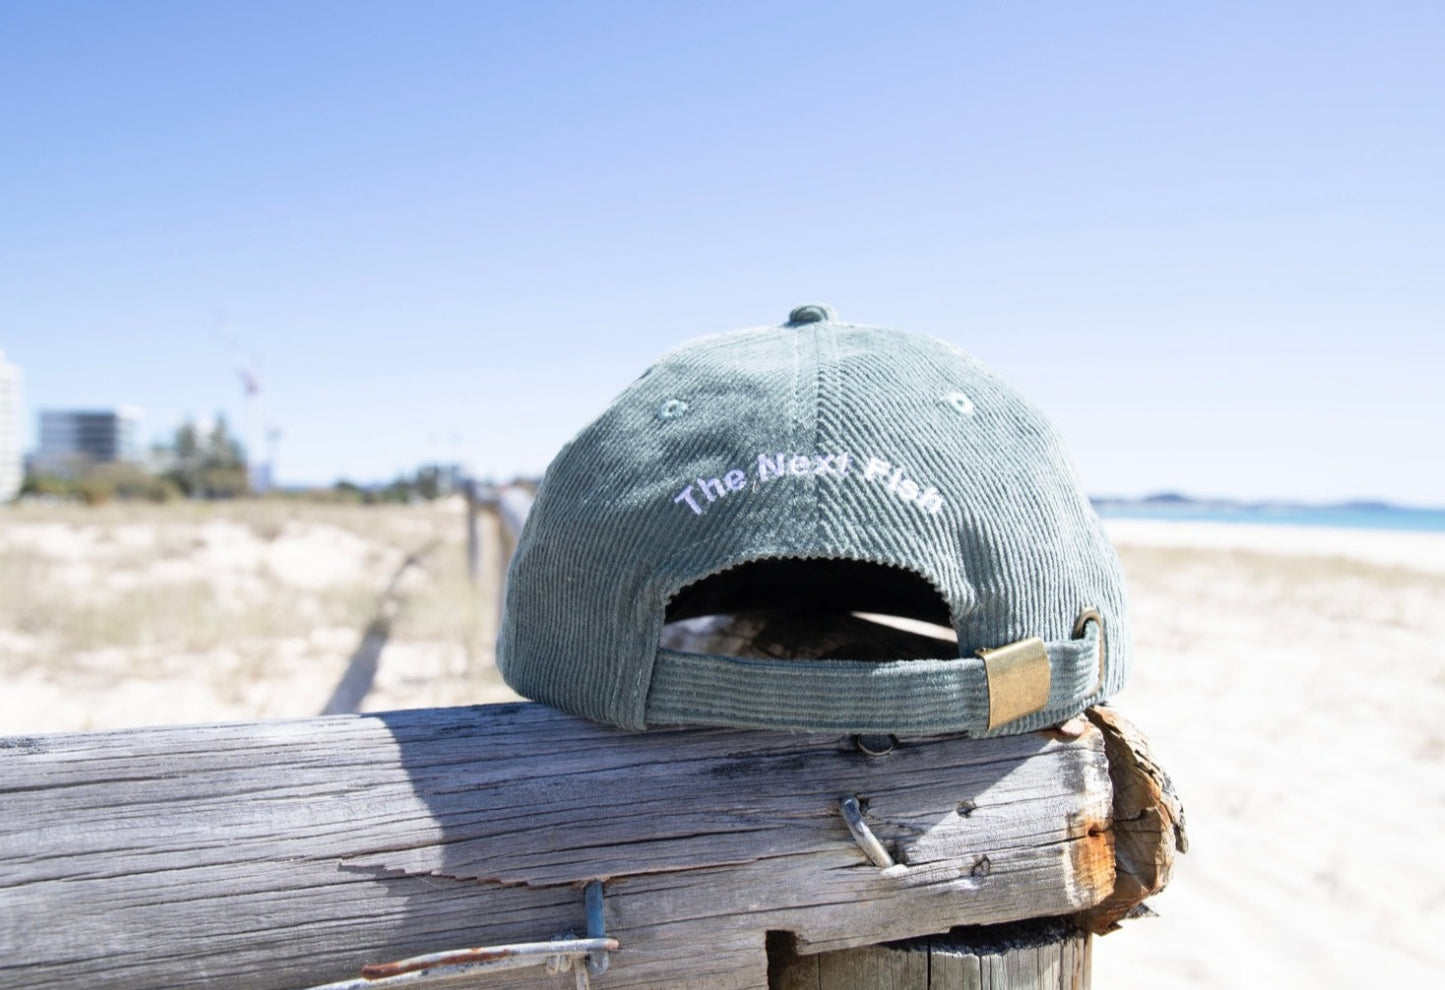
<point>1018,676</point>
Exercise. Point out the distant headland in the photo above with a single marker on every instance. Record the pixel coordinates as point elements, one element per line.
<point>1352,514</point>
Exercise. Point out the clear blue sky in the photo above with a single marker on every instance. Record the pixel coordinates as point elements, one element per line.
<point>1208,239</point>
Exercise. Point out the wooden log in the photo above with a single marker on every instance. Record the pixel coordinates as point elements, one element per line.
<point>289,854</point>
<point>1047,954</point>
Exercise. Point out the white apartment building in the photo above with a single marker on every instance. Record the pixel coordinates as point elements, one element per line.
<point>12,470</point>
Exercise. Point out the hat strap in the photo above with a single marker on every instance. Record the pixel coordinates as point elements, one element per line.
<point>921,697</point>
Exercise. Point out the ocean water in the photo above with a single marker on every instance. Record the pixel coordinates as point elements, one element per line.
<point>1337,516</point>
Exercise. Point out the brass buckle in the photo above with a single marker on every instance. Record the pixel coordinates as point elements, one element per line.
<point>1018,676</point>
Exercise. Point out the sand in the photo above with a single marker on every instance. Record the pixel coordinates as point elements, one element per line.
<point>1291,680</point>
<point>1292,683</point>
<point>132,616</point>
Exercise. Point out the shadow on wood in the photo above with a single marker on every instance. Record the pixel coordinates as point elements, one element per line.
<point>1043,954</point>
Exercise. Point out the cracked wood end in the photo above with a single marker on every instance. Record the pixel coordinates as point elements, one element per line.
<point>1148,823</point>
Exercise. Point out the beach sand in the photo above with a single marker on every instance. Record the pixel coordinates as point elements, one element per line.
<point>137,615</point>
<point>1291,680</point>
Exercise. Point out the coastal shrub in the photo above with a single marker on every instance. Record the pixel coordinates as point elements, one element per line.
<point>98,484</point>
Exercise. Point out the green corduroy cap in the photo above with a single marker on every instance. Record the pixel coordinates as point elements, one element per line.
<point>817,441</point>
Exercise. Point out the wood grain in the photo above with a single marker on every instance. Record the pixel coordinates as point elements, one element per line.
<point>289,854</point>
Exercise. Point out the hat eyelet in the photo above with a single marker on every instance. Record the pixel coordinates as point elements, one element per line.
<point>672,409</point>
<point>960,403</point>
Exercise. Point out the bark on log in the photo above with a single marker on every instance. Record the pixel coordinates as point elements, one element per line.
<point>291,854</point>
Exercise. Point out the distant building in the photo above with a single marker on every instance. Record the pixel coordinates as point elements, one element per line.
<point>73,439</point>
<point>11,465</point>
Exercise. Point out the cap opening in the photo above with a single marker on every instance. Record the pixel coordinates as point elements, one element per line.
<point>811,608</point>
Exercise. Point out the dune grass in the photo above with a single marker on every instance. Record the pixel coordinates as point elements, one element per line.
<point>232,595</point>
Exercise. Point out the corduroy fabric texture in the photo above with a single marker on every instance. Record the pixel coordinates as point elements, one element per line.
<point>810,440</point>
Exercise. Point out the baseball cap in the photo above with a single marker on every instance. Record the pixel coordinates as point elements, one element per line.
<point>816,465</point>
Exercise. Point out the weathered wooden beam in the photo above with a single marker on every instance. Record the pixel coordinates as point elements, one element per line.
<point>289,854</point>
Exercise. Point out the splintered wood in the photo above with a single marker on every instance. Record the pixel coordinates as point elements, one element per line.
<point>1148,823</point>
<point>291,854</point>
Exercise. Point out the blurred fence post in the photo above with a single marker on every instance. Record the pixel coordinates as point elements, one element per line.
<point>474,542</point>
<point>514,504</point>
